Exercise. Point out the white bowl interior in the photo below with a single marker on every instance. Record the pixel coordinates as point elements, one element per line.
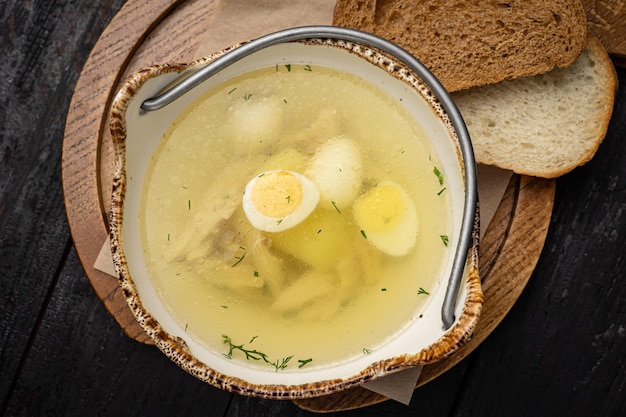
<point>144,131</point>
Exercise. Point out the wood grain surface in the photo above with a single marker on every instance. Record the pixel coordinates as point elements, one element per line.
<point>508,274</point>
<point>559,350</point>
<point>606,19</point>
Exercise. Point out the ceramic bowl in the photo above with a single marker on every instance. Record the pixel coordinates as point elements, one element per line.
<point>146,105</point>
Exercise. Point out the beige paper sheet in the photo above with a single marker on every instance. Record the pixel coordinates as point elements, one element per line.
<point>236,21</point>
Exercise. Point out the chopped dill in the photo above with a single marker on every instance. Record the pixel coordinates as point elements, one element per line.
<point>439,175</point>
<point>253,354</point>
<point>240,258</point>
<point>302,362</point>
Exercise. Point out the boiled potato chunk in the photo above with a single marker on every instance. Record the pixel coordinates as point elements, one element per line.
<point>320,241</point>
<point>287,160</point>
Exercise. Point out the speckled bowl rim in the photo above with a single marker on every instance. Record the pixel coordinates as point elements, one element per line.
<point>176,349</point>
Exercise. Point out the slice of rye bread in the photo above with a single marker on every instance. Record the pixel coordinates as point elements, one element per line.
<point>547,124</point>
<point>467,43</point>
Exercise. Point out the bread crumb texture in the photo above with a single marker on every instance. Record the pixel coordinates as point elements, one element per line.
<point>475,42</point>
<point>544,125</point>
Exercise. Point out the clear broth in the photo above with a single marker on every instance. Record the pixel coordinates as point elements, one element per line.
<point>220,277</point>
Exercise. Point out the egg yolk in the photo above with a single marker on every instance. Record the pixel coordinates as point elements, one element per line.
<point>277,194</point>
<point>380,209</point>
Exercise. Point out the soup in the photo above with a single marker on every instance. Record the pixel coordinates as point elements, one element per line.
<point>292,215</point>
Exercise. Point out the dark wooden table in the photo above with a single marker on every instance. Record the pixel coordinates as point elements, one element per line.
<point>561,351</point>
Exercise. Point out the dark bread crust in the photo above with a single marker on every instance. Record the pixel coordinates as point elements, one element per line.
<point>475,42</point>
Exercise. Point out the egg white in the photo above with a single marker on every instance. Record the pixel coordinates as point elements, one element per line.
<point>336,169</point>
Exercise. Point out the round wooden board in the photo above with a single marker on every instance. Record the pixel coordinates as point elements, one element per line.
<point>145,32</point>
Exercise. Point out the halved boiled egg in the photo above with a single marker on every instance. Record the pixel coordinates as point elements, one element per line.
<point>278,200</point>
<point>387,218</point>
<point>336,168</point>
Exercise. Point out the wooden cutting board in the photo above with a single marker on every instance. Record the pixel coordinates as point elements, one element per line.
<point>606,19</point>
<point>146,32</point>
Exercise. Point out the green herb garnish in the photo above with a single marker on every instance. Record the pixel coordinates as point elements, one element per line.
<point>232,91</point>
<point>302,362</point>
<point>308,68</point>
<point>335,206</point>
<point>366,351</point>
<point>444,239</point>
<point>255,355</point>
<point>247,96</point>
<point>441,191</point>
<point>439,175</point>
<point>288,66</point>
<point>422,291</point>
<point>239,258</point>
<point>363,234</point>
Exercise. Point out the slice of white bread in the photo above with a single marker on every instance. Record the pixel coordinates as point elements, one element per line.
<point>544,125</point>
<point>468,43</point>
